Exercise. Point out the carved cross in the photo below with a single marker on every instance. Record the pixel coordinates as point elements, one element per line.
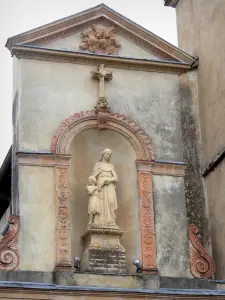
<point>101,75</point>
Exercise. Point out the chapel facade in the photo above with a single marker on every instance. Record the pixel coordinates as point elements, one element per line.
<point>108,198</point>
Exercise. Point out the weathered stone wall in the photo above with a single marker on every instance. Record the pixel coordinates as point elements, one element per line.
<point>191,136</point>
<point>200,33</point>
<point>171,226</point>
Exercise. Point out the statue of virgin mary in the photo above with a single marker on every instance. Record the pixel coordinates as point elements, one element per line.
<point>106,178</point>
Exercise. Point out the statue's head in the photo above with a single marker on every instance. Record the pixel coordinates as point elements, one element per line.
<point>106,154</point>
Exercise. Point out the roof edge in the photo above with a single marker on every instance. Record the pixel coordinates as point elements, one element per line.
<point>60,27</point>
<point>78,57</point>
<point>171,3</point>
<point>93,8</point>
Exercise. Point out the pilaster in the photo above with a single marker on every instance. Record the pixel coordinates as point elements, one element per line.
<point>144,169</point>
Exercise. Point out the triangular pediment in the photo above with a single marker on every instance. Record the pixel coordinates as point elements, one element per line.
<point>118,45</point>
<point>79,32</point>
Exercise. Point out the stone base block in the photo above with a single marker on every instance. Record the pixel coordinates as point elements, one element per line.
<point>63,267</point>
<point>104,261</point>
<point>103,252</point>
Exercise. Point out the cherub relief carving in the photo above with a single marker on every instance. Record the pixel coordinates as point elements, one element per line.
<point>100,39</point>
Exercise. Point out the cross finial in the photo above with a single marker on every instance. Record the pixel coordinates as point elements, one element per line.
<point>101,75</point>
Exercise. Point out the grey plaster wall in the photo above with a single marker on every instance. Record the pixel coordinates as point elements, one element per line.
<point>202,21</point>
<point>192,142</point>
<point>128,48</point>
<point>52,91</point>
<point>86,149</point>
<point>171,226</point>
<point>152,100</point>
<point>215,183</point>
<point>200,33</point>
<point>37,245</point>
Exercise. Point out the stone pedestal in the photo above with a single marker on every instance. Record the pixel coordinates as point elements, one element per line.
<point>103,252</point>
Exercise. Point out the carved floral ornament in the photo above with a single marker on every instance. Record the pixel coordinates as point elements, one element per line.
<point>9,255</point>
<point>201,264</point>
<point>100,39</point>
<point>78,122</point>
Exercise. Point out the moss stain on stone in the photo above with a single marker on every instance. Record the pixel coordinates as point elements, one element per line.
<point>194,192</point>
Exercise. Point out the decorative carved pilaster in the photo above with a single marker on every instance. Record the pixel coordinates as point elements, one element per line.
<point>63,241</point>
<point>201,264</point>
<point>147,216</point>
<point>9,254</point>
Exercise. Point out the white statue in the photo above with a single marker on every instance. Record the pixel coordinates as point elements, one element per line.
<point>105,190</point>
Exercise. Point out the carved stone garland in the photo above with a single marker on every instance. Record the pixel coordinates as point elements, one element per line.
<point>9,256</point>
<point>64,135</point>
<point>201,264</point>
<point>78,122</point>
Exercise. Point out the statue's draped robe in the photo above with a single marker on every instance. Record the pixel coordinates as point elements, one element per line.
<point>107,195</point>
<point>93,203</point>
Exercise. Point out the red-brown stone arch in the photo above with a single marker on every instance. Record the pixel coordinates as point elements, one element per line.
<point>78,122</point>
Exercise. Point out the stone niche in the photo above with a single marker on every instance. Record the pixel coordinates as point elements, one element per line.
<point>85,150</point>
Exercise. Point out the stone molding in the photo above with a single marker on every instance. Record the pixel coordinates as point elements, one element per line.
<point>29,291</point>
<point>147,217</point>
<point>67,26</point>
<point>162,168</point>
<point>42,159</point>
<point>78,122</point>
<point>169,169</point>
<point>76,57</point>
<point>102,230</point>
<point>144,166</point>
<point>9,253</point>
<point>201,264</point>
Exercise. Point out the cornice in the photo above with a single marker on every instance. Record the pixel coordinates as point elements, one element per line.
<point>172,3</point>
<point>28,290</point>
<point>40,53</point>
<point>75,23</point>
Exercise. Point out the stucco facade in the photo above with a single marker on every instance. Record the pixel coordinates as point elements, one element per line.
<point>48,93</point>
<point>200,33</point>
<point>62,122</point>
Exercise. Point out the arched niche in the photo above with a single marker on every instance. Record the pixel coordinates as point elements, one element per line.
<point>78,122</point>
<point>79,135</point>
<point>85,149</point>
